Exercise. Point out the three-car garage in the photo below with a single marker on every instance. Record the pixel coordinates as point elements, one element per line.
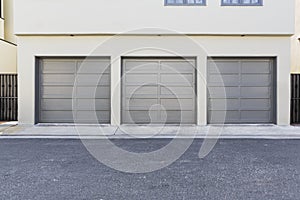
<point>156,90</point>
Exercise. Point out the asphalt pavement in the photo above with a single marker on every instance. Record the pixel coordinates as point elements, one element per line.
<point>235,169</point>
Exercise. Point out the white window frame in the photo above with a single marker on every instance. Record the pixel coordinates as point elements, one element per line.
<point>260,3</point>
<point>185,3</point>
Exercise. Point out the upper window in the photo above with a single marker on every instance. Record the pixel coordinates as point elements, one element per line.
<point>185,2</point>
<point>241,2</point>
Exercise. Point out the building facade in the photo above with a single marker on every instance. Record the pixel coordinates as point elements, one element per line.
<point>139,62</point>
<point>8,47</point>
<point>8,64</point>
<point>295,64</point>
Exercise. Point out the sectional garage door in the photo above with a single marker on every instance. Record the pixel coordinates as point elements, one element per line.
<point>74,89</point>
<point>241,91</point>
<point>158,91</point>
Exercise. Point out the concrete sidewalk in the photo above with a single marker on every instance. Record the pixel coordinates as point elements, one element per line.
<point>12,130</point>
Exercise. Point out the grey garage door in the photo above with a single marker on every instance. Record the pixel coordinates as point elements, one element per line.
<point>158,91</point>
<point>241,91</point>
<point>79,87</point>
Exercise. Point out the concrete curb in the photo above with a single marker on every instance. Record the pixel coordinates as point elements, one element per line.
<point>158,137</point>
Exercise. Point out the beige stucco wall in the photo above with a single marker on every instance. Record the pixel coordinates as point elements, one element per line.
<point>102,16</point>
<point>9,34</point>
<point>1,28</point>
<point>8,58</point>
<point>197,46</point>
<point>295,63</point>
<point>1,21</point>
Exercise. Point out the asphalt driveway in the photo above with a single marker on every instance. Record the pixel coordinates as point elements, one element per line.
<point>235,169</point>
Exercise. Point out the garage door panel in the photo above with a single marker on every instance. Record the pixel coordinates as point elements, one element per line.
<point>56,92</point>
<point>167,84</point>
<point>93,92</point>
<point>177,92</point>
<point>92,117</point>
<point>167,104</point>
<point>236,104</point>
<point>93,67</point>
<point>141,67</point>
<point>141,79</point>
<point>223,104</point>
<point>141,117</point>
<point>253,116</point>
<point>141,91</point>
<point>57,116</point>
<point>245,97</point>
<point>60,95</point>
<point>231,116</point>
<point>223,67</point>
<point>178,104</point>
<point>255,92</point>
<point>93,79</point>
<point>256,67</point>
<point>82,104</point>
<point>177,117</point>
<point>177,67</point>
<point>223,116</point>
<point>166,117</point>
<point>93,104</point>
<point>223,80</point>
<point>56,104</point>
<point>139,104</point>
<point>256,104</point>
<point>57,79</point>
<point>177,79</point>
<point>224,92</point>
<point>63,67</point>
<point>256,80</point>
